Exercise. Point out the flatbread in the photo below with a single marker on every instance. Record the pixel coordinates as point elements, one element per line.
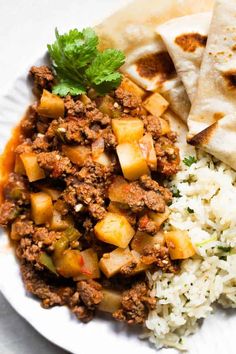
<point>152,68</point>
<point>219,140</point>
<point>132,30</point>
<point>185,39</point>
<point>216,95</point>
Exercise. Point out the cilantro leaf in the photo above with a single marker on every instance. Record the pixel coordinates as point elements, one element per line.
<point>225,249</point>
<point>64,88</point>
<point>102,72</point>
<point>175,192</point>
<point>78,64</point>
<point>188,161</point>
<point>190,211</point>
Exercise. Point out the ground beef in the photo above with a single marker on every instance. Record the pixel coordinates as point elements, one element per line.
<point>44,288</point>
<point>83,198</point>
<point>83,313</point>
<point>168,158</point>
<point>90,292</point>
<point>87,195</point>
<point>145,224</point>
<point>97,211</point>
<point>74,108</point>
<point>8,213</point>
<point>159,256</point>
<point>135,304</point>
<point>45,237</point>
<point>128,270</point>
<point>28,123</point>
<point>152,125</point>
<point>96,174</point>
<point>42,76</point>
<point>17,189</point>
<point>41,144</point>
<point>137,198</point>
<point>23,227</point>
<point>109,138</point>
<point>29,251</point>
<point>148,183</point>
<point>127,99</point>
<point>42,124</point>
<point>25,147</point>
<point>55,164</point>
<point>95,116</point>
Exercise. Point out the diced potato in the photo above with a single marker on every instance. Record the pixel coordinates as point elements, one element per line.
<point>30,162</point>
<point>117,208</point>
<point>127,130</point>
<point>19,166</point>
<point>41,207</point>
<point>118,190</point>
<point>132,161</point>
<point>165,126</point>
<point>159,218</point>
<point>147,147</point>
<point>51,105</point>
<point>54,193</point>
<point>77,154</point>
<point>131,87</point>
<point>141,240</point>
<point>112,262</point>
<point>103,159</point>
<point>111,301</point>
<point>57,223</point>
<point>69,264</point>
<point>179,244</point>
<point>114,229</point>
<point>140,267</point>
<point>156,104</point>
<point>90,268</point>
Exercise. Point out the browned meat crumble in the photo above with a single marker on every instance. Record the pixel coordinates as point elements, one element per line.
<point>75,157</point>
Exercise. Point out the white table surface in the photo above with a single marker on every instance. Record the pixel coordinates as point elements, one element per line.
<point>26,26</point>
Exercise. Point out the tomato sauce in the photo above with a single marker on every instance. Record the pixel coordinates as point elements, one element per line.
<point>7,158</point>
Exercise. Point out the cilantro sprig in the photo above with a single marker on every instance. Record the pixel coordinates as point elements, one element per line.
<point>188,161</point>
<point>79,65</point>
<point>175,192</point>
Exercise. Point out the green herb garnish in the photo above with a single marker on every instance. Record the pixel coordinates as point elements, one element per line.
<point>190,211</point>
<point>225,249</point>
<point>175,192</point>
<point>188,161</point>
<point>79,65</point>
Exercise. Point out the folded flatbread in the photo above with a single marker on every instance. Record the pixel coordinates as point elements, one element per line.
<point>185,39</point>
<point>216,94</point>
<point>152,68</point>
<point>132,29</point>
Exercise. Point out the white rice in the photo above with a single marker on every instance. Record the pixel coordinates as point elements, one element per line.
<point>208,187</point>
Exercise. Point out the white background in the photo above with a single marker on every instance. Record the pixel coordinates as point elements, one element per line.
<point>26,26</point>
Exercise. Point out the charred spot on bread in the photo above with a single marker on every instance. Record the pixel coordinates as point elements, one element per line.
<point>204,136</point>
<point>155,64</point>
<point>189,42</point>
<point>230,77</point>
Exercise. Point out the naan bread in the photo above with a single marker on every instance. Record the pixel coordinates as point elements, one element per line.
<point>185,39</point>
<point>216,95</point>
<point>132,29</point>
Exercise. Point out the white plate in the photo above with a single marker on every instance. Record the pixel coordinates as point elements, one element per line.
<point>57,324</point>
